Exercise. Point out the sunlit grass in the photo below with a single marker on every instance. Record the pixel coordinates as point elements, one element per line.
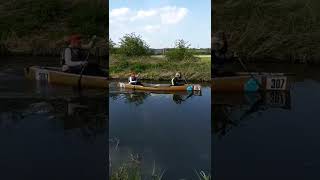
<point>158,68</point>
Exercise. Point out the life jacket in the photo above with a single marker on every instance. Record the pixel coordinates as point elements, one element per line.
<point>134,78</point>
<point>176,81</point>
<point>77,54</point>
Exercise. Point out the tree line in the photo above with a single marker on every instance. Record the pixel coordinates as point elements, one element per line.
<point>132,45</point>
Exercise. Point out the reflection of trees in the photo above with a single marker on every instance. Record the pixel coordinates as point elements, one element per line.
<point>89,115</point>
<point>14,110</point>
<point>138,97</point>
<point>226,116</point>
<point>130,97</point>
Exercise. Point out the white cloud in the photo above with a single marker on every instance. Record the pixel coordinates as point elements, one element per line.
<point>141,14</point>
<point>119,12</point>
<point>166,15</point>
<point>152,28</point>
<point>149,23</point>
<point>172,14</point>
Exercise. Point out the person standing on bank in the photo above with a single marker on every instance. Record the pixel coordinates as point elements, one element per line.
<point>75,56</point>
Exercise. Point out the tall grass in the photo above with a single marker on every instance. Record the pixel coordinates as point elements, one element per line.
<point>35,17</point>
<point>281,29</point>
<point>23,16</point>
<point>158,68</point>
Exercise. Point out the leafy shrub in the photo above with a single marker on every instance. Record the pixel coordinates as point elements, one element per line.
<point>25,16</point>
<point>87,18</point>
<point>111,45</point>
<point>138,68</point>
<point>133,45</point>
<point>180,52</point>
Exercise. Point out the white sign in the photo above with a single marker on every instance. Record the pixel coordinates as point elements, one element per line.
<point>197,87</point>
<point>276,83</point>
<point>42,75</point>
<point>276,98</point>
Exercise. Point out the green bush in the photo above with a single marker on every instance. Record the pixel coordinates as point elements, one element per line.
<point>111,45</point>
<point>89,18</point>
<point>22,17</point>
<point>138,68</point>
<point>133,45</point>
<point>180,52</point>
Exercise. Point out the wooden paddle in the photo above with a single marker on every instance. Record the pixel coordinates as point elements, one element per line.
<point>82,70</point>
<point>81,73</point>
<point>85,65</point>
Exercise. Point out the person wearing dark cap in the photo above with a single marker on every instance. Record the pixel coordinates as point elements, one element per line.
<point>75,56</point>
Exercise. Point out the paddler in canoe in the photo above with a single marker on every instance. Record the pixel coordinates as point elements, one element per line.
<point>133,79</point>
<point>75,57</point>
<point>177,84</point>
<point>177,80</point>
<point>221,55</point>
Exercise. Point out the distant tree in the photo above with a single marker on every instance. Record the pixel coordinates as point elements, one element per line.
<point>111,46</point>
<point>180,52</point>
<point>133,45</point>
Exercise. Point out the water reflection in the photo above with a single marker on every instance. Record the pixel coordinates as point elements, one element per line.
<point>166,130</point>
<point>232,110</point>
<point>138,97</point>
<point>66,135</point>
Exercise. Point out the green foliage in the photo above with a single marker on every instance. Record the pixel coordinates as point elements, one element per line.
<point>128,171</point>
<point>21,17</point>
<point>138,68</point>
<point>180,52</point>
<point>111,45</point>
<point>270,28</point>
<point>158,68</point>
<point>89,17</point>
<point>120,65</point>
<point>133,45</point>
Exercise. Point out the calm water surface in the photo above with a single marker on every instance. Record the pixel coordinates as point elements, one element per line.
<point>265,140</point>
<point>50,132</point>
<point>172,131</point>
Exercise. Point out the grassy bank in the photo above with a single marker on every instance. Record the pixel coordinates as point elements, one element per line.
<point>31,26</point>
<point>132,170</point>
<point>158,68</point>
<point>285,30</point>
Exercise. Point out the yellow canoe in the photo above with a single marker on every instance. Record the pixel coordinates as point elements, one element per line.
<point>161,87</point>
<point>53,75</point>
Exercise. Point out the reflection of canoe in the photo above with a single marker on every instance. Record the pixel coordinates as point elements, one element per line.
<point>272,99</point>
<point>243,82</point>
<point>54,75</point>
<point>161,87</point>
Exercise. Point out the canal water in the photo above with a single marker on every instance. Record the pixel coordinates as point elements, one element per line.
<point>50,132</point>
<point>168,131</point>
<point>54,132</point>
<point>269,136</point>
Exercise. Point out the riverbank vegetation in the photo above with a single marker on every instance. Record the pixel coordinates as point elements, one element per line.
<point>132,169</point>
<point>134,55</point>
<point>280,30</point>
<point>30,25</point>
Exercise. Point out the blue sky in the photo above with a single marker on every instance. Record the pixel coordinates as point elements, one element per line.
<point>161,22</point>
